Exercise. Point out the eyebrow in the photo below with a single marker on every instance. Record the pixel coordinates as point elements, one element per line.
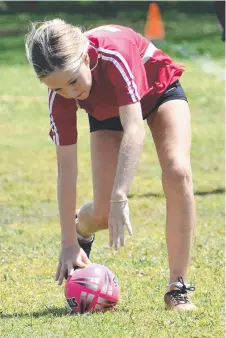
<point>73,79</point>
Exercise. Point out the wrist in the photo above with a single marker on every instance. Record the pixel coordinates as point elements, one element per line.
<point>68,243</point>
<point>118,196</point>
<point>69,236</point>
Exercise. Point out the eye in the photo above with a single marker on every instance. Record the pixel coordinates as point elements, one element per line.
<point>73,82</point>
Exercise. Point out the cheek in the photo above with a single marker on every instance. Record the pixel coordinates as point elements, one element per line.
<point>88,79</point>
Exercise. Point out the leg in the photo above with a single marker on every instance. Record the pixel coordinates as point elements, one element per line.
<point>93,216</point>
<point>170,127</point>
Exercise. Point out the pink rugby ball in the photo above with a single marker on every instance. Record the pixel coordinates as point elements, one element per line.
<point>92,289</point>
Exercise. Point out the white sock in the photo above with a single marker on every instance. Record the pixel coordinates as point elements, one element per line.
<point>85,239</point>
<point>177,284</point>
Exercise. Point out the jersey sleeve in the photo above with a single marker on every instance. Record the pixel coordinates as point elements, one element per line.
<point>125,70</point>
<point>63,119</point>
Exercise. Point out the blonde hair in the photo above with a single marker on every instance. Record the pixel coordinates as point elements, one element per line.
<point>55,44</point>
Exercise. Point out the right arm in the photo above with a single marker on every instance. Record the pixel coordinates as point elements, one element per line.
<point>71,254</point>
<point>66,192</point>
<point>64,134</point>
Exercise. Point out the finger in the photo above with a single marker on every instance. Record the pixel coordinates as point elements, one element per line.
<point>116,237</point>
<point>113,236</point>
<point>116,244</point>
<point>62,274</point>
<point>86,260</point>
<point>71,272</point>
<point>110,234</point>
<point>121,234</point>
<point>70,269</point>
<point>129,227</point>
<point>58,271</point>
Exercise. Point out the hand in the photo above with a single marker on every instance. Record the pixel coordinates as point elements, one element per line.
<point>70,256</point>
<point>118,219</point>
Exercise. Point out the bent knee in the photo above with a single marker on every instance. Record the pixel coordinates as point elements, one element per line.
<point>177,173</point>
<point>101,218</point>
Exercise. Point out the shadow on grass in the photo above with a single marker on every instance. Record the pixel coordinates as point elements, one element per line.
<point>53,311</point>
<point>197,193</point>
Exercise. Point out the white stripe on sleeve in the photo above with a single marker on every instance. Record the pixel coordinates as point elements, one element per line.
<point>129,81</point>
<point>52,122</point>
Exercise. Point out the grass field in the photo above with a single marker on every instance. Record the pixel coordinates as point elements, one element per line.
<point>31,303</point>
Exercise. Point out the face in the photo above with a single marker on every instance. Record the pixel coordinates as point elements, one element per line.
<point>69,84</point>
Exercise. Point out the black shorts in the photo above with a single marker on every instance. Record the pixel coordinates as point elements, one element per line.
<point>173,92</point>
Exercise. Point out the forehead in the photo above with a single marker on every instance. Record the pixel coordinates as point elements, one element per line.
<point>59,78</point>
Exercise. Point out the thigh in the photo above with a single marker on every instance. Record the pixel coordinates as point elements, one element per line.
<point>105,146</point>
<point>171,131</point>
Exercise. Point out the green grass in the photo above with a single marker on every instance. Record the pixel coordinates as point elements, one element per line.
<point>31,304</point>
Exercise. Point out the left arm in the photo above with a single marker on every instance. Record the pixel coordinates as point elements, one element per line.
<point>129,154</point>
<point>130,149</point>
<point>125,71</point>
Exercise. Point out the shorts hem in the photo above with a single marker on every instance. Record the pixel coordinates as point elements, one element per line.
<point>115,123</point>
<point>167,100</point>
<point>104,128</point>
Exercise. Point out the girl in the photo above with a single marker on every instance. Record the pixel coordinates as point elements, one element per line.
<point>120,79</point>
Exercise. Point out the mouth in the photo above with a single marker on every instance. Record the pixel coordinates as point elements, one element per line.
<point>77,97</point>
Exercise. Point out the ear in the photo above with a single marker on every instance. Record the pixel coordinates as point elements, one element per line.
<point>87,59</point>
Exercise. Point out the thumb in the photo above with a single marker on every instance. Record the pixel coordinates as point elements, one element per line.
<point>80,263</point>
<point>84,258</point>
<point>127,223</point>
<point>129,227</point>
<point>70,273</point>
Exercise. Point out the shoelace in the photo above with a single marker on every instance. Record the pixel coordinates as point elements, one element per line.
<point>180,295</point>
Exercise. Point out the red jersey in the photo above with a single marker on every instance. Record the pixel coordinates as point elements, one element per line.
<point>126,68</point>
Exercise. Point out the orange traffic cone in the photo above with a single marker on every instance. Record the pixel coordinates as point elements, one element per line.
<point>154,28</point>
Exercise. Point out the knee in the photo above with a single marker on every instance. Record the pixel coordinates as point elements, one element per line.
<point>177,174</point>
<point>93,216</point>
<point>100,216</point>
